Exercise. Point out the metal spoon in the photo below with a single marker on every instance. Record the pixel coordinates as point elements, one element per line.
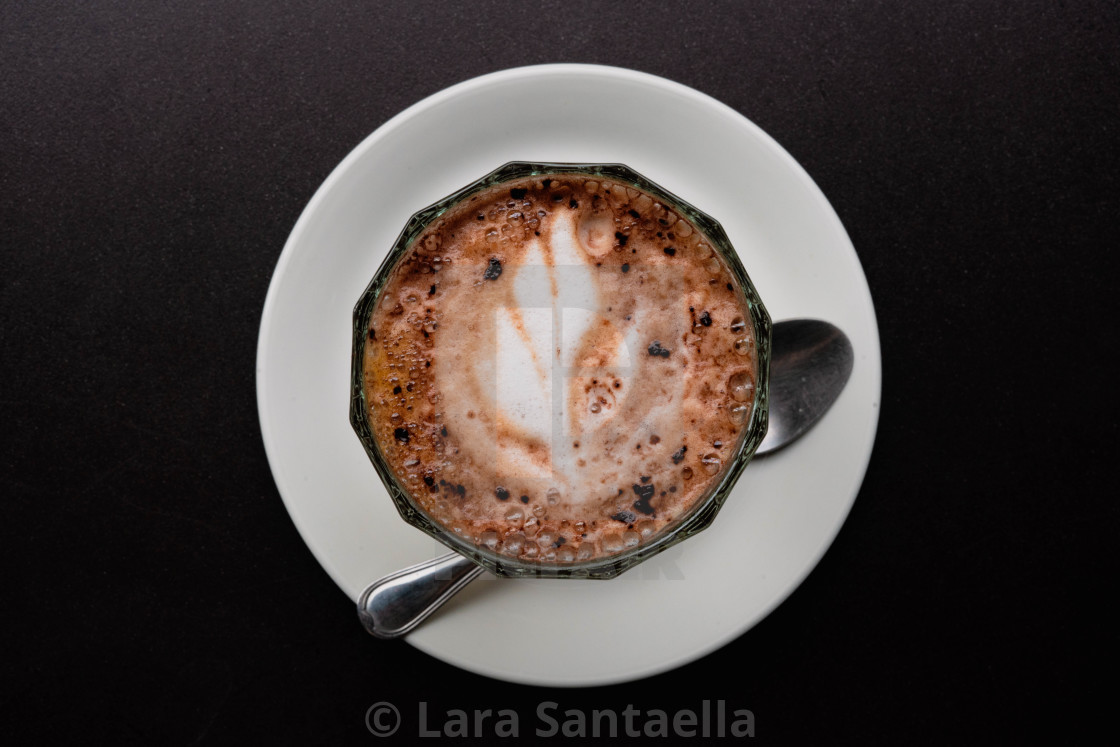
<point>810,364</point>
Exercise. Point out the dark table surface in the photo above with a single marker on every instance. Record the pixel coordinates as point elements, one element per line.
<point>153,159</point>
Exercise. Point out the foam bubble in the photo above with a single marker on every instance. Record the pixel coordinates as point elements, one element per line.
<point>712,463</point>
<point>741,386</point>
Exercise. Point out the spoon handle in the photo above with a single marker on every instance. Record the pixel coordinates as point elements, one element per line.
<point>395,604</point>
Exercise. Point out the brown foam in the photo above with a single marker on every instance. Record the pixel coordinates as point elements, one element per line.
<point>607,478</point>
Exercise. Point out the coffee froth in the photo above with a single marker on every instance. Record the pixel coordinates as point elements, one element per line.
<point>559,368</point>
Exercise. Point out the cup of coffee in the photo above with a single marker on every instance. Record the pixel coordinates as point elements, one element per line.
<point>560,370</point>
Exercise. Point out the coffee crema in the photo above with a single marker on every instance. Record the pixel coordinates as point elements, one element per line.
<point>559,368</point>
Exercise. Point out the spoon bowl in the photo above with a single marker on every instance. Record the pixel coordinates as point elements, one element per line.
<point>811,362</point>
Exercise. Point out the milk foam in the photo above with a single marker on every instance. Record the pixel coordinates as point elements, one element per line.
<point>577,401</point>
<point>538,349</point>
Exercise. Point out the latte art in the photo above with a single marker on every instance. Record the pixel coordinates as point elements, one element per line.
<point>559,368</point>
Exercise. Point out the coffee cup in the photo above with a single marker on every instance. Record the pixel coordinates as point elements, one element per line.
<point>560,370</point>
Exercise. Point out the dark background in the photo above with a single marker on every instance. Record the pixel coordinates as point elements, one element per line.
<point>154,157</point>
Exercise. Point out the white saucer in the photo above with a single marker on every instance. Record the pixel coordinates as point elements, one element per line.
<point>786,509</point>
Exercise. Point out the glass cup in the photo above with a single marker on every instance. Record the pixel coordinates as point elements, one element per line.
<point>702,512</point>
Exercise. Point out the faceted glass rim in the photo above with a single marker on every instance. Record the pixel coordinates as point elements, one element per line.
<point>702,513</point>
